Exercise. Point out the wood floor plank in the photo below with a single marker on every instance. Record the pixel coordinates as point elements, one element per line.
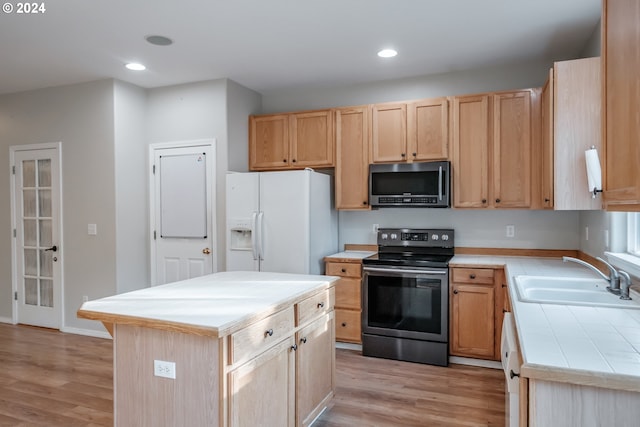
<point>57,380</point>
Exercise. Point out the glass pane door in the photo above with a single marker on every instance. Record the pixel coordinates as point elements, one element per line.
<point>37,255</point>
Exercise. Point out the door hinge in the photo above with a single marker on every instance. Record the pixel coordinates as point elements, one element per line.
<point>154,234</point>
<point>154,169</point>
<point>15,295</point>
<point>14,233</point>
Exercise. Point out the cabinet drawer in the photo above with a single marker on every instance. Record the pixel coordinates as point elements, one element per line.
<point>348,326</point>
<point>344,269</point>
<point>314,306</point>
<point>261,334</point>
<point>473,275</point>
<point>348,293</point>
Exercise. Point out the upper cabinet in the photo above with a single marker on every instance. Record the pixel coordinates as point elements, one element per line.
<point>411,131</point>
<point>352,158</point>
<point>621,109</point>
<point>492,144</point>
<point>571,124</point>
<point>291,141</point>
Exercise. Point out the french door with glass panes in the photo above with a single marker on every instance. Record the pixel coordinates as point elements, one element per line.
<point>37,251</point>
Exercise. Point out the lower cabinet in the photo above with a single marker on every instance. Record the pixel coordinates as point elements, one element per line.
<point>477,308</point>
<point>348,300</point>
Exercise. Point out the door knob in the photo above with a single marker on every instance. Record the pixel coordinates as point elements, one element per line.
<point>206,251</point>
<point>53,248</point>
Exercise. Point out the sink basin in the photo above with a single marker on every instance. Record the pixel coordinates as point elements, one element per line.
<point>568,291</point>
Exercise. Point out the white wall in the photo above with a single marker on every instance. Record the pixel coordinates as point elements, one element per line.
<point>241,102</point>
<point>81,117</point>
<point>188,112</point>
<point>131,175</point>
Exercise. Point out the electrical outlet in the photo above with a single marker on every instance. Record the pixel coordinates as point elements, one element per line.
<point>375,228</point>
<point>164,369</point>
<point>85,298</point>
<point>511,230</point>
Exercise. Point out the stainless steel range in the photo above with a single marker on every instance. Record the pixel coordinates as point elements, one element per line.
<point>406,296</point>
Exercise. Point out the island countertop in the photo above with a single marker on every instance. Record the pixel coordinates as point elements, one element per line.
<point>214,305</point>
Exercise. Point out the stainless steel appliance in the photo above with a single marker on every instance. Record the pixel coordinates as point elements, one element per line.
<point>406,296</point>
<point>423,184</point>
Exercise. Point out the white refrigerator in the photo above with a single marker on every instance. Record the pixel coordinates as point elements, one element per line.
<point>280,222</point>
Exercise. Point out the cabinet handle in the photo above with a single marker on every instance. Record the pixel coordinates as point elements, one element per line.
<point>547,200</point>
<point>294,160</point>
<point>303,340</point>
<point>284,160</point>
<point>472,276</point>
<point>344,324</point>
<point>295,347</point>
<point>504,311</point>
<point>504,286</point>
<point>364,203</point>
<point>513,374</point>
<point>403,154</point>
<point>497,200</point>
<point>484,200</point>
<point>414,154</point>
<point>321,304</point>
<point>344,270</point>
<point>268,333</point>
<point>455,291</point>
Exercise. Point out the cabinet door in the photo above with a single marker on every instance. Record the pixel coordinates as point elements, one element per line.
<point>621,62</point>
<point>502,306</point>
<point>428,130</point>
<point>352,158</point>
<point>389,133</point>
<point>261,392</point>
<point>511,164</point>
<point>315,369</point>
<point>472,320</point>
<point>312,139</point>
<point>269,142</point>
<point>547,143</point>
<point>470,151</point>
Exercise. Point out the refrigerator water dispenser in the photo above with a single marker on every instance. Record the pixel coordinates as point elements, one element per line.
<point>240,237</point>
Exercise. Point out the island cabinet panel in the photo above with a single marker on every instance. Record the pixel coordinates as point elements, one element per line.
<point>315,368</point>
<point>352,158</point>
<point>145,400</point>
<point>621,109</point>
<point>261,390</point>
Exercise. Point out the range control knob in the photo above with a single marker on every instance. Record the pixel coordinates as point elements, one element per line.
<point>384,236</point>
<point>394,236</point>
<point>445,237</point>
<point>434,237</point>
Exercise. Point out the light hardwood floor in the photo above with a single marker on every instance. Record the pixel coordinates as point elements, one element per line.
<point>48,378</point>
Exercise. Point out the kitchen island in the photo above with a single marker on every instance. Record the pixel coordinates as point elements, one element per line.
<point>227,349</point>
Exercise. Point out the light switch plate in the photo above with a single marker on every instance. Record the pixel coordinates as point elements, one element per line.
<point>92,229</point>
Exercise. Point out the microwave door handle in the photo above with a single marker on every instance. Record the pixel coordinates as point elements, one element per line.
<point>440,183</point>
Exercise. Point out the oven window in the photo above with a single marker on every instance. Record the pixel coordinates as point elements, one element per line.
<point>405,303</point>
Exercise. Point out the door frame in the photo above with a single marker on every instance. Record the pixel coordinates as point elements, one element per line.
<point>57,146</point>
<point>210,142</point>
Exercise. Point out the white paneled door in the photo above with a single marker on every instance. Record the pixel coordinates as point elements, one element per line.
<point>182,217</point>
<point>37,248</point>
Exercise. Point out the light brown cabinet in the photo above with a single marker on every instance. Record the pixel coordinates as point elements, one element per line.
<point>348,298</point>
<point>291,141</point>
<point>620,65</point>
<point>477,301</point>
<point>352,158</point>
<point>492,143</point>
<point>411,131</point>
<point>571,124</point>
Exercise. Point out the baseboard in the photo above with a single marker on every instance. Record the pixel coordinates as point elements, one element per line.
<point>475,362</point>
<point>349,346</point>
<point>6,320</point>
<point>87,332</point>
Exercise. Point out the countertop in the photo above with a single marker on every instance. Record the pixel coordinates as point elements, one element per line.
<point>212,305</point>
<point>350,256</point>
<point>594,346</point>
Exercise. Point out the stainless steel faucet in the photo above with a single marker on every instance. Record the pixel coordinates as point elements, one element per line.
<point>613,279</point>
<point>625,282</point>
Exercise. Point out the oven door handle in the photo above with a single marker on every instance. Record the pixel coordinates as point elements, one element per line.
<point>399,270</point>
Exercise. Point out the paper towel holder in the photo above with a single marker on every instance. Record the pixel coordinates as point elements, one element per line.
<point>596,190</point>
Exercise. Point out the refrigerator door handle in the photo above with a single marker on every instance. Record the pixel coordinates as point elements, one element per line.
<point>254,237</point>
<point>260,235</point>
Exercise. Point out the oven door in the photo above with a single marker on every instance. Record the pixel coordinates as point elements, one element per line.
<point>406,303</point>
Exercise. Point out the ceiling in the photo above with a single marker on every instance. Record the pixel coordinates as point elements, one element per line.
<point>268,45</point>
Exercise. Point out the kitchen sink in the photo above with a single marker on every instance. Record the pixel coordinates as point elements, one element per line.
<point>569,291</point>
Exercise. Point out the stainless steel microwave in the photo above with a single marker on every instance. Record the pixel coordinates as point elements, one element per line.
<point>424,184</point>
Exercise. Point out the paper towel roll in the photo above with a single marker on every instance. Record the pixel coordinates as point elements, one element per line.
<point>594,173</point>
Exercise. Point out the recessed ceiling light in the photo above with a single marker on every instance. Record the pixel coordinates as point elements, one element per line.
<point>159,40</point>
<point>387,53</point>
<point>134,66</point>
